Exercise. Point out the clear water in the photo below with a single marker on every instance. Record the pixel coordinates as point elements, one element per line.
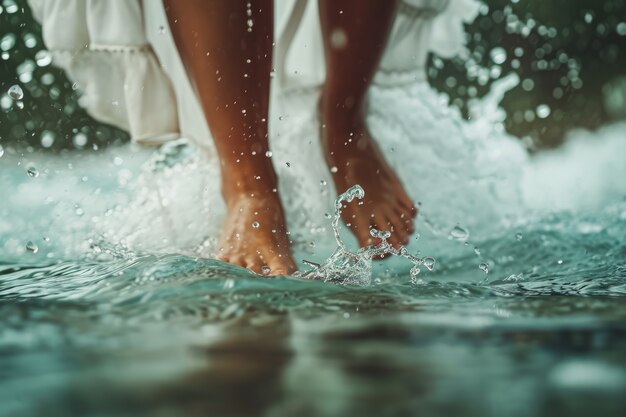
<point>118,333</point>
<point>110,307</point>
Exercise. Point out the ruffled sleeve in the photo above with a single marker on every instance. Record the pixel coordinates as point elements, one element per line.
<point>101,44</point>
<point>447,33</point>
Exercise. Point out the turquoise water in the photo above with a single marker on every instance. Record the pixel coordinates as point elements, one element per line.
<point>99,330</point>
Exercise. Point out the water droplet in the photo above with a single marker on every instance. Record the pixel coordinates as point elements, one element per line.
<point>380,234</point>
<point>32,172</point>
<point>328,216</point>
<point>323,183</point>
<point>11,7</point>
<point>429,263</point>
<point>1,151</point>
<point>79,140</point>
<point>498,55</point>
<point>476,251</point>
<point>268,154</point>
<point>338,39</point>
<point>47,138</point>
<point>333,170</point>
<point>265,269</point>
<point>288,164</point>
<point>161,30</point>
<point>560,262</point>
<point>255,225</point>
<point>459,233</point>
<point>16,92</point>
<point>415,271</point>
<point>43,58</point>
<point>484,267</point>
<point>31,247</point>
<point>518,237</point>
<point>7,42</point>
<point>543,111</point>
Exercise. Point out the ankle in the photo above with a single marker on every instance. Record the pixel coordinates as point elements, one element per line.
<point>248,184</point>
<point>234,193</point>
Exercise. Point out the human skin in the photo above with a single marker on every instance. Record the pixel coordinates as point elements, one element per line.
<point>230,62</point>
<point>346,141</point>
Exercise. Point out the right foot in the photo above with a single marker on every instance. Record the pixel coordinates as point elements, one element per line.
<point>254,235</point>
<point>354,158</point>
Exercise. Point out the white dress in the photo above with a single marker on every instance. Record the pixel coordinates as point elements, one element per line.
<point>460,173</point>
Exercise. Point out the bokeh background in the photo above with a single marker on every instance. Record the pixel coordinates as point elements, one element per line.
<point>570,56</point>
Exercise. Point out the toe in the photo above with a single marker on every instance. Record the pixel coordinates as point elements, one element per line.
<point>278,268</point>
<point>405,200</point>
<point>255,265</point>
<point>394,241</point>
<point>381,222</point>
<point>400,231</point>
<point>407,206</point>
<point>281,265</point>
<point>237,260</point>
<point>406,220</point>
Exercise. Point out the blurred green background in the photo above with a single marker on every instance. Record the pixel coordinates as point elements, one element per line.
<point>570,56</point>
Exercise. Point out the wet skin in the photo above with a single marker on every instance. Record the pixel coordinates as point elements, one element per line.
<point>233,89</point>
<point>354,158</point>
<point>255,235</point>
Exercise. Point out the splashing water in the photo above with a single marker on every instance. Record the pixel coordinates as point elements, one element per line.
<point>355,268</point>
<point>16,92</point>
<point>156,326</point>
<point>124,301</point>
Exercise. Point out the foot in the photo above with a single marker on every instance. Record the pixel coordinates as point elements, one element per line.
<point>354,158</point>
<point>254,235</point>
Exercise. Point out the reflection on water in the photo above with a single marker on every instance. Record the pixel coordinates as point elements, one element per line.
<point>124,334</point>
<point>525,319</point>
<point>515,318</point>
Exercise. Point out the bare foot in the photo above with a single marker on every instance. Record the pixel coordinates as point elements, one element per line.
<point>354,158</point>
<point>254,235</point>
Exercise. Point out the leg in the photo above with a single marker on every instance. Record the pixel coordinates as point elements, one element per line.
<point>226,47</point>
<point>355,34</point>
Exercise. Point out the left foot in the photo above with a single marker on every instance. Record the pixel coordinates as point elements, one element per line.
<point>354,158</point>
<point>254,235</point>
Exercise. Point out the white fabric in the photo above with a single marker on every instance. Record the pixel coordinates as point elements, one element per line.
<point>102,46</point>
<point>420,27</point>
<point>106,47</point>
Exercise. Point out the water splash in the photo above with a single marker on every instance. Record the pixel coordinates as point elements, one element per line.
<point>355,268</point>
<point>16,92</point>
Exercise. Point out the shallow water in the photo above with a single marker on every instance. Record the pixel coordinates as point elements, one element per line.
<point>112,307</point>
<point>94,329</point>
